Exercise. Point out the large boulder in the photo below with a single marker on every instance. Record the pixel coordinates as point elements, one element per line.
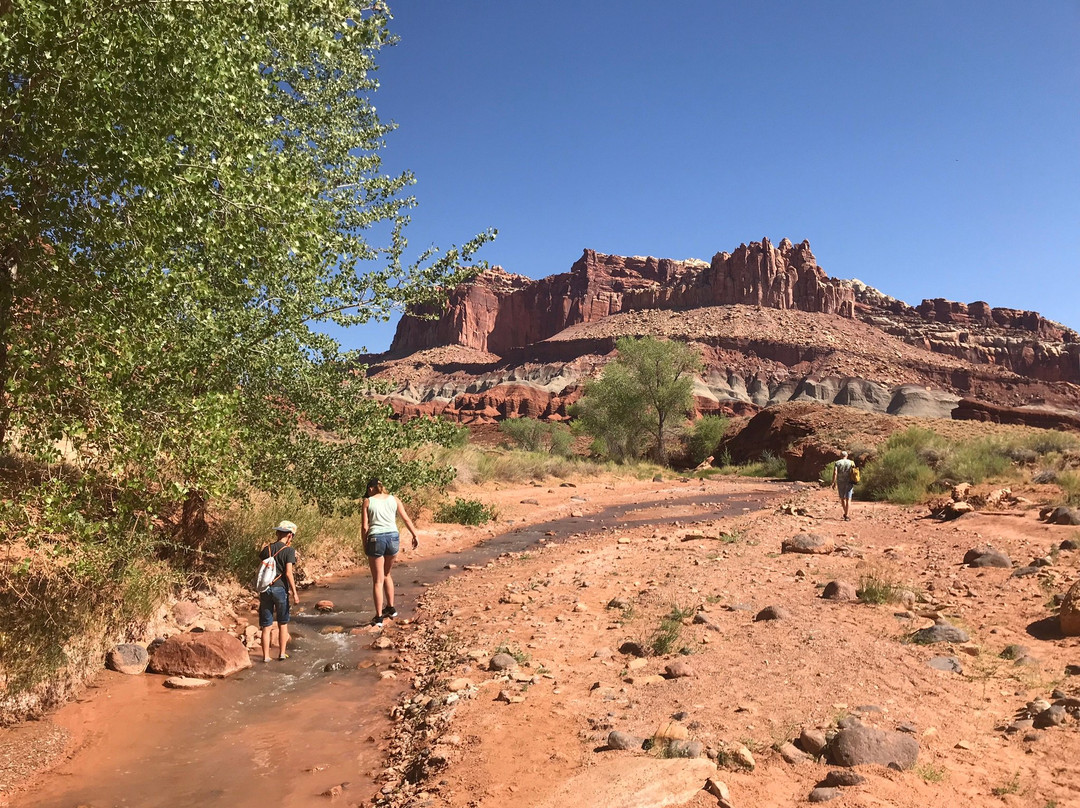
<point>128,657</point>
<point>859,745</point>
<point>986,557</point>
<point>807,543</point>
<point>1070,612</point>
<point>201,655</point>
<point>1062,515</point>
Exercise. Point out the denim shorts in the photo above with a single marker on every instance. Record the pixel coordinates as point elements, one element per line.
<point>846,490</point>
<point>382,544</point>
<point>273,600</point>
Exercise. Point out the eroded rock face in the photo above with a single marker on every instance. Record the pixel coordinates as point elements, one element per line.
<point>500,311</point>
<point>202,655</point>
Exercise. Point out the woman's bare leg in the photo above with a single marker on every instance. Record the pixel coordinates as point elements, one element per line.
<point>376,566</point>
<point>388,582</point>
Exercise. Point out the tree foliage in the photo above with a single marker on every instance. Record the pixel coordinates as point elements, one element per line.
<point>641,399</point>
<point>187,190</point>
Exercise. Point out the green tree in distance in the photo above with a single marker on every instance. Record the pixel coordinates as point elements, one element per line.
<point>187,189</point>
<point>642,397</point>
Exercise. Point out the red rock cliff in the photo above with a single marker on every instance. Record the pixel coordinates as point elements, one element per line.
<point>499,311</point>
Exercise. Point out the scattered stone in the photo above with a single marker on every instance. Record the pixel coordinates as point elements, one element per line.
<point>812,741</point>
<point>744,757</point>
<point>1053,716</point>
<point>719,789</point>
<point>948,664</point>
<point>702,619</point>
<point>908,727</point>
<point>808,543</point>
<point>206,654</point>
<point>330,667</point>
<point>842,778</point>
<point>855,746</point>
<point>324,606</point>
<point>820,794</point>
<point>618,603</point>
<point>1014,651</point>
<point>502,662</point>
<point>128,658</point>
<point>792,754</point>
<point>384,644</point>
<point>963,745</point>
<point>1020,725</point>
<point>509,697</point>
<point>739,607</point>
<point>632,648</point>
<point>185,612</point>
<point>680,669</point>
<point>387,675</point>
<point>637,663</point>
<point>940,632</point>
<point>772,613</point>
<point>1072,670</point>
<point>581,607</point>
<point>1063,515</point>
<point>334,791</point>
<point>186,682</point>
<point>530,501</point>
<point>672,731</point>
<point>603,653</point>
<point>840,590</point>
<point>686,749</point>
<point>1070,544</point>
<point>624,740</point>
<point>457,685</point>
<point>332,630</point>
<point>987,557</point>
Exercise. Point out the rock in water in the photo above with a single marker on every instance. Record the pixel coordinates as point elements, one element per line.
<point>207,654</point>
<point>128,657</point>
<point>856,746</point>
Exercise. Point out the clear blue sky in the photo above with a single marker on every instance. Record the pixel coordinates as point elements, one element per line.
<point>928,148</point>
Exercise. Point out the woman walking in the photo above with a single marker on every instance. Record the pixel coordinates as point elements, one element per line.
<point>378,521</point>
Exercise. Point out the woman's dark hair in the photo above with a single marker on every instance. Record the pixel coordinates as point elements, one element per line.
<point>375,486</point>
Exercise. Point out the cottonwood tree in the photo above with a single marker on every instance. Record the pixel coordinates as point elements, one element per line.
<point>187,190</point>
<point>641,399</point>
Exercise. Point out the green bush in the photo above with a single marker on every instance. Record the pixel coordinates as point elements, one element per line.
<point>527,433</point>
<point>767,466</point>
<point>898,475</point>
<point>561,440</point>
<point>465,512</point>
<point>1050,440</point>
<point>665,639</point>
<point>1069,481</point>
<point>974,461</point>
<point>704,436</point>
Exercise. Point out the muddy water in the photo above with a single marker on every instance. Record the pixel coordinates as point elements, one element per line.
<point>284,732</point>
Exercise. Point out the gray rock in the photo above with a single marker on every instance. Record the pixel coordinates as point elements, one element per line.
<point>624,740</point>
<point>808,543</point>
<point>530,501</point>
<point>330,667</point>
<point>502,662</point>
<point>820,794</point>
<point>772,613</point>
<point>1072,670</point>
<point>1070,544</point>
<point>1023,572</point>
<point>948,664</point>
<point>812,741</point>
<point>703,619</point>
<point>856,746</point>
<point>849,721</point>
<point>986,557</point>
<point>907,727</point>
<point>1019,725</point>
<point>1053,716</point>
<point>940,632</point>
<point>128,657</point>
<point>842,778</point>
<point>686,749</point>
<point>1063,515</point>
<point>840,590</point>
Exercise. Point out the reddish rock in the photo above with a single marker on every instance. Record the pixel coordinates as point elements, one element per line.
<point>1043,418</point>
<point>499,312</point>
<point>185,613</point>
<point>324,606</point>
<point>202,655</point>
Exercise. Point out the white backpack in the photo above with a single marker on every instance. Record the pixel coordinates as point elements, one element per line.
<point>268,573</point>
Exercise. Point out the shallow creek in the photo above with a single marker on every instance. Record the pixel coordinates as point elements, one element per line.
<point>284,732</point>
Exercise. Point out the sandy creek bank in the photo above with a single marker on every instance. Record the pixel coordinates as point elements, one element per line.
<point>539,585</point>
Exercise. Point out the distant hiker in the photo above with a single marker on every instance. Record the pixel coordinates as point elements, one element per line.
<point>379,525</point>
<point>274,602</point>
<point>842,479</point>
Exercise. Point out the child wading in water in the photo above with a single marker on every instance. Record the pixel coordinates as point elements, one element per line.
<point>379,525</point>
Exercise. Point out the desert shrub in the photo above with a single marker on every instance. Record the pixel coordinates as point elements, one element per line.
<point>878,587</point>
<point>825,478</point>
<point>973,462</point>
<point>465,512</point>
<point>768,465</point>
<point>561,440</point>
<point>1044,476</point>
<point>527,433</point>
<point>898,475</point>
<point>665,639</point>
<point>704,436</point>
<point>1051,440</point>
<point>1069,482</point>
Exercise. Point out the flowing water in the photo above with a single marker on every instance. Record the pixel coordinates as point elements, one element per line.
<point>283,733</point>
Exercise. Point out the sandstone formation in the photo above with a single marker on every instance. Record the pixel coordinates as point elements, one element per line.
<point>771,328</point>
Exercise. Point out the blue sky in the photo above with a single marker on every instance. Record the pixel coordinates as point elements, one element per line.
<point>930,149</point>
